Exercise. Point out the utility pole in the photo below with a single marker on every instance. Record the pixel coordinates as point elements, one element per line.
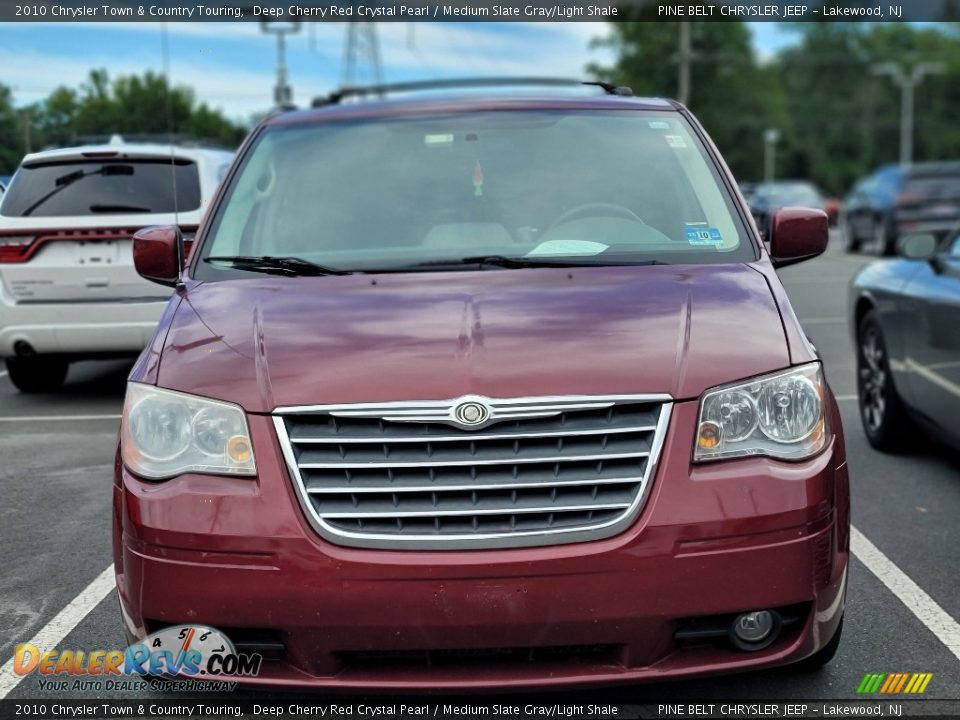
<point>282,92</point>
<point>684,58</point>
<point>362,45</point>
<point>907,82</point>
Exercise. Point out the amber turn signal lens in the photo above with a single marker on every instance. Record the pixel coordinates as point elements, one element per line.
<point>709,435</point>
<point>238,448</point>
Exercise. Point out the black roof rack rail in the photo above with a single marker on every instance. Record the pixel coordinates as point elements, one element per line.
<point>182,140</point>
<point>443,83</point>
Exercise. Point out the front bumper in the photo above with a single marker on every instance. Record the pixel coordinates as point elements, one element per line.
<point>713,539</point>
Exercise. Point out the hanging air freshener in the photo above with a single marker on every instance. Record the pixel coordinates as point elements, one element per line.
<point>477,180</point>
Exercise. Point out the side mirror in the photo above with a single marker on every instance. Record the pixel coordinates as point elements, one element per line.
<point>921,246</point>
<point>797,234</point>
<point>158,254</point>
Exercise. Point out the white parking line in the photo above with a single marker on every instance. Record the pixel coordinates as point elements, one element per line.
<point>788,283</point>
<point>43,418</point>
<point>859,260</point>
<point>2,373</point>
<point>845,398</point>
<point>823,321</point>
<point>924,607</point>
<point>51,634</point>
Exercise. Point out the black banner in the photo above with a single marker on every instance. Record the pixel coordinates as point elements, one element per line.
<point>325,707</point>
<point>479,10</point>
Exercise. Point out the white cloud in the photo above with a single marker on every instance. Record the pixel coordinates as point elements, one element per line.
<point>203,55</point>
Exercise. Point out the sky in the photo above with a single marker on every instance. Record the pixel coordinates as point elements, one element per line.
<point>231,66</point>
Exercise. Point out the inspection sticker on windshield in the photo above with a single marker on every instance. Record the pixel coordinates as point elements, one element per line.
<point>438,139</point>
<point>703,236</point>
<point>675,141</point>
<point>659,125</point>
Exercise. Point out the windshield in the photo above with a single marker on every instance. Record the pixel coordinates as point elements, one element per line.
<point>588,188</point>
<point>123,186</point>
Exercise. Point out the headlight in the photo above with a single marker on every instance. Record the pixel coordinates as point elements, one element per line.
<point>779,415</point>
<point>166,433</point>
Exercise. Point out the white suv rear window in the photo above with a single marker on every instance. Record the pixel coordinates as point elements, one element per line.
<point>102,187</point>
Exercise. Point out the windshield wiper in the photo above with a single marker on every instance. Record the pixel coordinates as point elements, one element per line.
<point>68,179</point>
<point>276,265</point>
<point>502,261</point>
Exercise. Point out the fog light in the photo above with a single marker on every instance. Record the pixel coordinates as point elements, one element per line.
<point>755,630</point>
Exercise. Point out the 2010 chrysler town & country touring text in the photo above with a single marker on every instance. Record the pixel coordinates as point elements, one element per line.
<point>493,390</point>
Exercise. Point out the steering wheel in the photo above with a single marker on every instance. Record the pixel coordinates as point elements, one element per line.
<point>595,208</point>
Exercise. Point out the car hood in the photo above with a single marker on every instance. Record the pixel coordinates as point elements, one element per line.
<point>267,342</point>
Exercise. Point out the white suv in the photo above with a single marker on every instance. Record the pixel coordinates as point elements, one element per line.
<point>68,288</point>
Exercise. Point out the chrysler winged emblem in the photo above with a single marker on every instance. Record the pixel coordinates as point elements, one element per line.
<point>471,413</point>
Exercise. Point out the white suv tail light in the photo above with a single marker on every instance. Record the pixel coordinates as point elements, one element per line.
<point>16,248</point>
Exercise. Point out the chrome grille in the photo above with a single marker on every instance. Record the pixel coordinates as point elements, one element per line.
<point>536,471</point>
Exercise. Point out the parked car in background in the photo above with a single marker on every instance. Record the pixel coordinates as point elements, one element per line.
<point>68,288</point>
<point>868,209</point>
<point>769,197</point>
<point>466,378</point>
<point>895,200</point>
<point>905,318</point>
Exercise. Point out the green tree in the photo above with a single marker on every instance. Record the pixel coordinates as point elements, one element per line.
<point>131,105</point>
<point>11,138</point>
<point>55,118</point>
<point>846,118</point>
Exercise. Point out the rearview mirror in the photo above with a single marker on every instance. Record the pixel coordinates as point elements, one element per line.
<point>158,254</point>
<point>797,234</point>
<point>921,246</point>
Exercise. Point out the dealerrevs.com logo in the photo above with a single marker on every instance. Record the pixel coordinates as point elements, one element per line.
<point>191,652</point>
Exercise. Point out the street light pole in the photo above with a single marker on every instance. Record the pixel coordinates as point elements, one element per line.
<point>770,138</point>
<point>282,92</point>
<point>907,83</point>
<point>683,64</point>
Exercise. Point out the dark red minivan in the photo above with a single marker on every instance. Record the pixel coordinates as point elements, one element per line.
<point>492,389</point>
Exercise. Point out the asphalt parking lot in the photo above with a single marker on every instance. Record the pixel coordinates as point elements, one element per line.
<point>903,600</point>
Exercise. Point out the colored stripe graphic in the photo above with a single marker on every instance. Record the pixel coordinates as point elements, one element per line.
<point>894,683</point>
<point>875,685</point>
<point>903,681</point>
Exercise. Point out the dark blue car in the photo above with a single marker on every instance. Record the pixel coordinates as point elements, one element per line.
<point>896,200</point>
<point>905,316</point>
